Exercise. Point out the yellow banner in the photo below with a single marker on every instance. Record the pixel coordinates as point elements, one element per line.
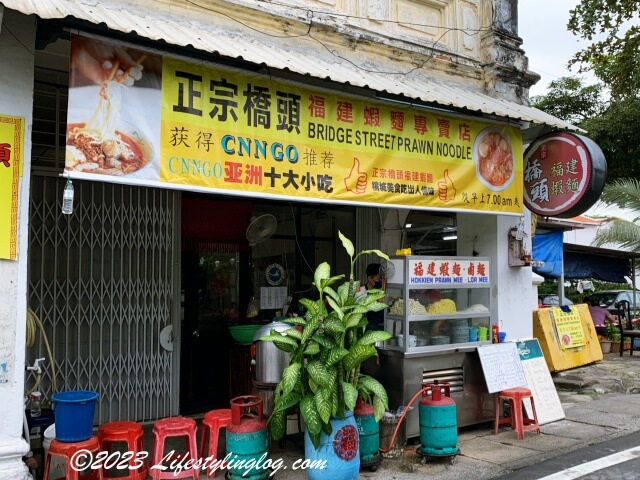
<point>11,138</point>
<point>158,120</point>
<point>569,327</point>
<point>236,132</point>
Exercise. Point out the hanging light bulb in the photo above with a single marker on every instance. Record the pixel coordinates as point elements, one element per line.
<point>67,198</point>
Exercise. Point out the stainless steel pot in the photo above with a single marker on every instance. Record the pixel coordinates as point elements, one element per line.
<point>270,361</point>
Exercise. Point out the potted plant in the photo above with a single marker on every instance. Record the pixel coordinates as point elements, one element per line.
<point>322,377</point>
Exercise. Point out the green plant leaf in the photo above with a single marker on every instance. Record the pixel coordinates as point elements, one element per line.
<point>312,306</point>
<point>333,294</point>
<point>334,325</point>
<point>295,321</point>
<point>310,414</point>
<point>293,332</point>
<point>373,336</point>
<point>290,377</point>
<point>286,401</point>
<point>353,320</point>
<point>309,330</point>
<point>323,271</point>
<point>277,424</point>
<point>350,395</point>
<point>285,343</point>
<point>312,348</point>
<point>315,439</point>
<point>335,355</point>
<point>357,354</point>
<point>323,341</point>
<point>347,244</point>
<point>377,306</point>
<point>379,407</point>
<point>376,252</point>
<point>319,373</point>
<point>375,387</point>
<point>336,308</point>
<point>323,403</point>
<point>343,291</point>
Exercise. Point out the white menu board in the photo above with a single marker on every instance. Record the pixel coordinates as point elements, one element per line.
<point>501,366</point>
<point>272,298</point>
<point>539,381</point>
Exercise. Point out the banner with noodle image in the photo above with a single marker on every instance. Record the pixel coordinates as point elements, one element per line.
<point>146,118</point>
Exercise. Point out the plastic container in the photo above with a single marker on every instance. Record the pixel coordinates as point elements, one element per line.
<point>388,424</point>
<point>35,404</point>
<point>473,334</point>
<point>58,466</point>
<point>67,198</point>
<point>74,411</point>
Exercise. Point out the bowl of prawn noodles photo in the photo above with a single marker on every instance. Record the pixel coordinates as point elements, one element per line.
<point>493,157</point>
<point>124,151</point>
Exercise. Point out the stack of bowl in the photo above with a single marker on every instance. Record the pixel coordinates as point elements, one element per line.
<point>459,331</point>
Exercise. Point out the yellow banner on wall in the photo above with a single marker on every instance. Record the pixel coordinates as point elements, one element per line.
<point>208,128</point>
<point>11,139</point>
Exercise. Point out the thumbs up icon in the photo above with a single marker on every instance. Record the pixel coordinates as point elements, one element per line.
<point>356,182</point>
<point>446,190</point>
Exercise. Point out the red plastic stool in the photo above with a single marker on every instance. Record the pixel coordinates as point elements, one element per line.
<point>130,433</point>
<point>211,424</point>
<point>67,450</point>
<point>175,427</point>
<point>515,397</point>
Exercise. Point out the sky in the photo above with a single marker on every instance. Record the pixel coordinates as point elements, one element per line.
<point>542,25</point>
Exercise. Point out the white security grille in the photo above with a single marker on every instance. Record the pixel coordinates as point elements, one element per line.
<point>102,282</point>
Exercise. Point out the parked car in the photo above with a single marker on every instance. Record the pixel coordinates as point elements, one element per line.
<point>609,299</point>
<point>552,301</point>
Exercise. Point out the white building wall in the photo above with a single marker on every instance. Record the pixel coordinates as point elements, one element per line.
<point>513,289</point>
<point>17,40</point>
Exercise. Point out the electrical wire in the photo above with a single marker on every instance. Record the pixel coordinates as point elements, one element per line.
<point>32,322</point>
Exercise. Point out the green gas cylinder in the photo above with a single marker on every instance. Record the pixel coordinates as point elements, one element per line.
<point>369,433</point>
<point>438,422</point>
<point>247,440</point>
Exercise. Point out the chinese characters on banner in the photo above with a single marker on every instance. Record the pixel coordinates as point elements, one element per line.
<point>437,271</point>
<point>11,138</point>
<point>568,327</point>
<point>227,131</point>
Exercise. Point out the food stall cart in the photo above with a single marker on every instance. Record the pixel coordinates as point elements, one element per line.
<point>440,312</point>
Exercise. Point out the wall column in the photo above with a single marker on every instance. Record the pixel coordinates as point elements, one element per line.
<point>17,41</point>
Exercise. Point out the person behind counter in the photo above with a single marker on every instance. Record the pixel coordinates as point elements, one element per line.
<point>375,320</point>
<point>599,315</point>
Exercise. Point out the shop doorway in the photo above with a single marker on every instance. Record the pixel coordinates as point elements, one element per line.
<point>214,265</point>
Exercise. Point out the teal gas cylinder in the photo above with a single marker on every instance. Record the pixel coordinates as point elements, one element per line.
<point>438,423</point>
<point>247,440</point>
<point>369,433</point>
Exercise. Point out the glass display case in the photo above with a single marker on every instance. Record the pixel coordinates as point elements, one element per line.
<point>438,303</point>
<point>440,312</point>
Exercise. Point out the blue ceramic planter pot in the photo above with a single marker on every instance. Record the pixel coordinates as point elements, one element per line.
<point>340,450</point>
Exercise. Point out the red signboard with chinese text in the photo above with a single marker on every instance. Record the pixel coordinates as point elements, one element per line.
<point>564,175</point>
<point>448,271</point>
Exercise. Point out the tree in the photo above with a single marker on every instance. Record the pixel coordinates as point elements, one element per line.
<point>614,59</point>
<point>622,232</point>
<point>611,124</point>
<point>616,133</point>
<point>569,99</point>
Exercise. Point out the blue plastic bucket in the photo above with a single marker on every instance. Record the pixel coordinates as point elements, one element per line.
<point>74,411</point>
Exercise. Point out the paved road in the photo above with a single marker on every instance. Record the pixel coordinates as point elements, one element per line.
<point>617,459</point>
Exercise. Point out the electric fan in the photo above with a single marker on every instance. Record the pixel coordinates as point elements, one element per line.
<point>261,228</point>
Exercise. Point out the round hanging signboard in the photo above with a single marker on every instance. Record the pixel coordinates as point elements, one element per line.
<point>274,274</point>
<point>564,174</point>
